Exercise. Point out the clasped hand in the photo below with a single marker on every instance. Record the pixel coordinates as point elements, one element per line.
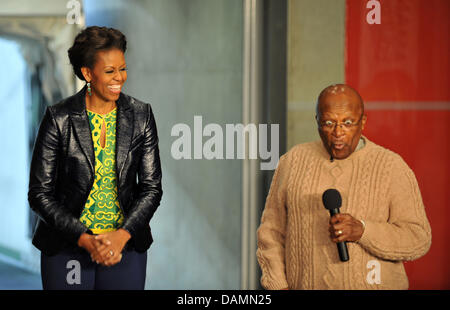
<point>105,249</point>
<point>344,227</point>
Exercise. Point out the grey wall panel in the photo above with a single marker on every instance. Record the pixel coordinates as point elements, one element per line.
<point>316,59</point>
<point>185,58</point>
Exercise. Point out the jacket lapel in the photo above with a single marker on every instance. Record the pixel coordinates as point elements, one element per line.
<point>124,132</point>
<point>81,126</point>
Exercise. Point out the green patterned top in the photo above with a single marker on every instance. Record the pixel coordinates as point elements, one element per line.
<point>102,211</point>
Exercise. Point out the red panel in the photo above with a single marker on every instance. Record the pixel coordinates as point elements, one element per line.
<point>405,61</point>
<point>406,57</point>
<point>421,145</point>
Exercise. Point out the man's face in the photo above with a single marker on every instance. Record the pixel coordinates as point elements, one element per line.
<point>340,123</point>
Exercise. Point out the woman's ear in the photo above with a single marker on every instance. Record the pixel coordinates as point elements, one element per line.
<point>86,73</point>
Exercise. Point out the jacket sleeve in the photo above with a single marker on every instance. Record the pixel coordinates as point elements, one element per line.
<point>407,233</point>
<point>272,232</point>
<point>43,178</point>
<point>149,181</point>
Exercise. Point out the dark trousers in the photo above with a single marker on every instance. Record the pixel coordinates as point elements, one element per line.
<point>70,270</point>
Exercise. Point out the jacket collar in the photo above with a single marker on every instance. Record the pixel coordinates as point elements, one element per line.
<point>124,128</point>
<point>78,105</point>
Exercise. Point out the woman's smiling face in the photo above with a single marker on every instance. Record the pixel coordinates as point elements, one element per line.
<point>107,75</point>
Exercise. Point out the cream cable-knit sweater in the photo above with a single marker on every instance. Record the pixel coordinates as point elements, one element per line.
<point>376,185</point>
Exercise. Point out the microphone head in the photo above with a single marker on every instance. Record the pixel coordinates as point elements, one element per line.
<point>332,199</point>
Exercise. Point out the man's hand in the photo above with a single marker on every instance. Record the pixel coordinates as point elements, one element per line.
<point>112,243</point>
<point>344,227</point>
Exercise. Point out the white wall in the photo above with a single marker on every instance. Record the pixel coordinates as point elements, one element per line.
<point>14,169</point>
<point>34,7</point>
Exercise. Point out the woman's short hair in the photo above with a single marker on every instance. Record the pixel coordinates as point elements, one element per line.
<point>91,40</point>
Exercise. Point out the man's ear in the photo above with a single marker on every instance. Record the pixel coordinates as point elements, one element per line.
<point>363,121</point>
<point>86,73</point>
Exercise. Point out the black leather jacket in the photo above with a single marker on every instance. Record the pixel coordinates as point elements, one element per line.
<point>62,172</point>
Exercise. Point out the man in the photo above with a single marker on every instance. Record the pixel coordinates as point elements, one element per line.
<point>382,216</point>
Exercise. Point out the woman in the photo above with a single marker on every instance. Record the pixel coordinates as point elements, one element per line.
<point>93,229</point>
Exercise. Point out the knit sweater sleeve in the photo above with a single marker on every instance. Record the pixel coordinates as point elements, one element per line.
<point>272,231</point>
<point>407,233</point>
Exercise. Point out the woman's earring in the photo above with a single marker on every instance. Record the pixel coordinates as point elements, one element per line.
<point>89,88</point>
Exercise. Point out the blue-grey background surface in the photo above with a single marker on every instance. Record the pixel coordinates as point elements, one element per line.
<point>185,58</point>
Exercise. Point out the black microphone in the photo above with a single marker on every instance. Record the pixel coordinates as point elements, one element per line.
<point>332,201</point>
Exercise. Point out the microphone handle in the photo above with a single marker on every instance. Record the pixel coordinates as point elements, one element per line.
<point>343,251</point>
<point>342,246</point>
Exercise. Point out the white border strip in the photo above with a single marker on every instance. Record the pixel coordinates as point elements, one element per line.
<point>407,105</point>
<point>251,113</point>
<point>245,118</point>
<point>380,105</point>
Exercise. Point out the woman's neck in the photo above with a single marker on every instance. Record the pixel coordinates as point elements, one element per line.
<point>97,105</point>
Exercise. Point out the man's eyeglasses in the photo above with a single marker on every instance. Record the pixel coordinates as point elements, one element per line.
<point>329,125</point>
